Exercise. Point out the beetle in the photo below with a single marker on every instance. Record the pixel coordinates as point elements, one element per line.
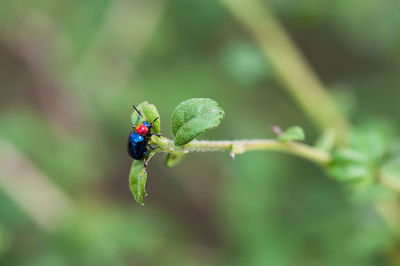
<point>138,141</point>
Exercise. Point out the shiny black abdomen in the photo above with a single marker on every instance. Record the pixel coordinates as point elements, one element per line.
<point>137,146</point>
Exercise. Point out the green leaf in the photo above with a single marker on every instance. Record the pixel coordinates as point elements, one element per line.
<point>292,134</point>
<point>350,166</point>
<point>173,158</point>
<point>149,111</point>
<point>372,140</point>
<point>349,172</point>
<point>137,179</point>
<point>194,117</point>
<point>348,155</point>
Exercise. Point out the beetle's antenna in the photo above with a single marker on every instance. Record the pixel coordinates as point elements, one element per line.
<point>154,120</point>
<point>134,107</point>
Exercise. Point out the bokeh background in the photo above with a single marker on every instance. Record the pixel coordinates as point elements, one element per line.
<point>69,72</point>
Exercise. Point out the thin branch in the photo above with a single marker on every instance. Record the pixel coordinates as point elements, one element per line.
<point>241,146</point>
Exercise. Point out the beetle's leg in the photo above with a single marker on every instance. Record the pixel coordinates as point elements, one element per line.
<point>158,135</point>
<point>142,172</point>
<point>151,147</point>
<point>144,164</point>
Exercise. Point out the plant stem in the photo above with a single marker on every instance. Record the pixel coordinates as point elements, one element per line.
<point>240,146</point>
<point>389,210</point>
<point>291,67</point>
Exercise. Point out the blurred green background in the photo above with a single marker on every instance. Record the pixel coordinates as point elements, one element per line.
<point>69,72</point>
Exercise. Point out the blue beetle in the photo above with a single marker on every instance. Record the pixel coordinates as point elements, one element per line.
<point>139,138</point>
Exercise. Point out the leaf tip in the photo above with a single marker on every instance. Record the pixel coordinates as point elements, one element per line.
<point>295,133</point>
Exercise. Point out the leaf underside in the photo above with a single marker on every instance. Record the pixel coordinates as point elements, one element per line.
<point>137,181</point>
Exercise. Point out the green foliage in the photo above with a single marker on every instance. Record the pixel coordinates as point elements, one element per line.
<point>373,140</point>
<point>365,155</point>
<point>194,117</point>
<point>190,119</point>
<point>137,181</point>
<point>354,165</point>
<point>345,155</point>
<point>367,162</point>
<point>349,165</point>
<point>138,178</point>
<point>294,133</point>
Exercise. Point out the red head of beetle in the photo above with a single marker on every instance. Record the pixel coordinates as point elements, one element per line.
<point>142,129</point>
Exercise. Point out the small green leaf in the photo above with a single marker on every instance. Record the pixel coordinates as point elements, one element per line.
<point>348,155</point>
<point>137,179</point>
<point>149,111</point>
<point>371,140</point>
<point>292,134</point>
<point>173,158</point>
<point>350,166</point>
<point>194,117</point>
<point>349,172</point>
